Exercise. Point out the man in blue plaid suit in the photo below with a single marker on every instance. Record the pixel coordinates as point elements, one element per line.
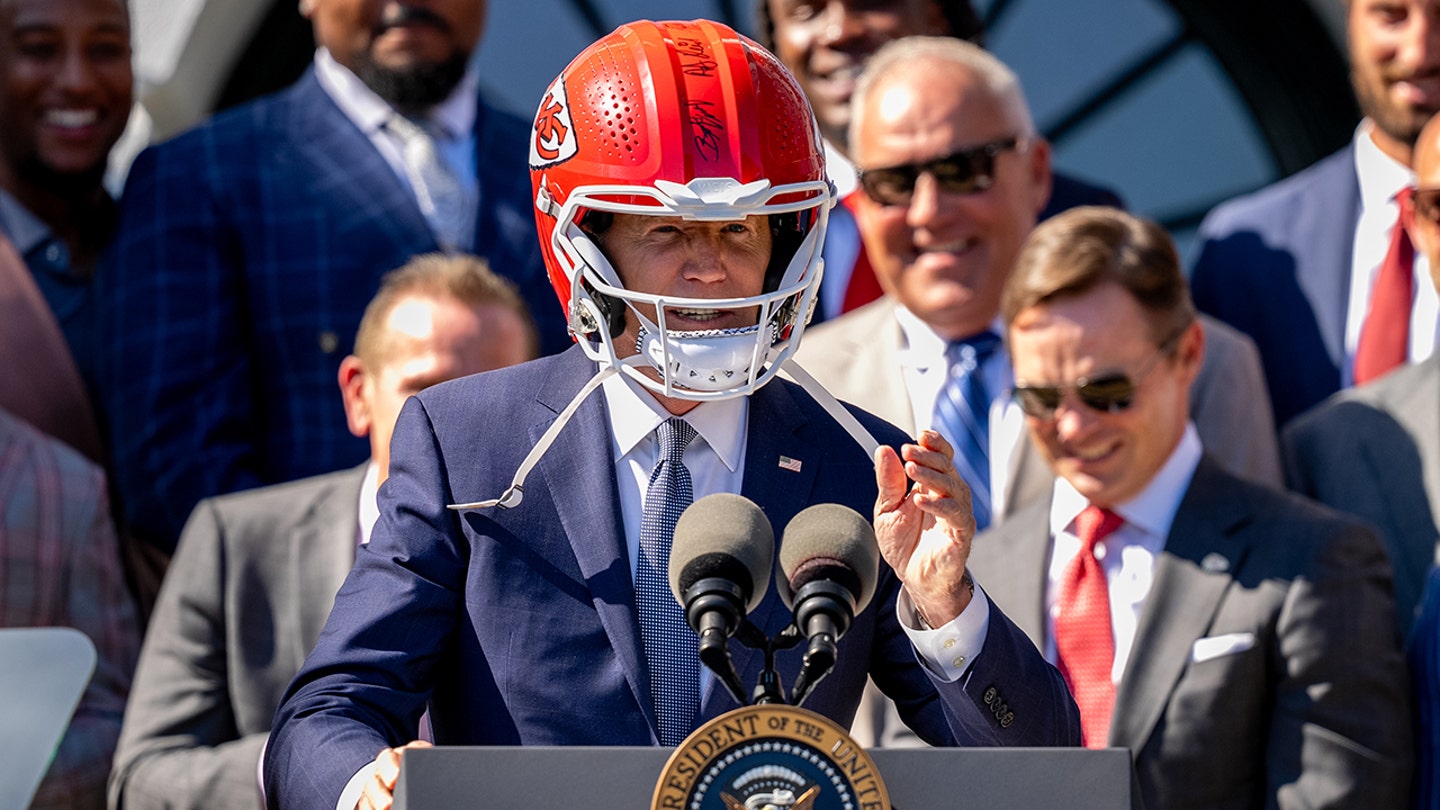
<point>249,246</point>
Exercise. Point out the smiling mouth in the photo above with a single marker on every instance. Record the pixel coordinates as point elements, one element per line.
<point>71,119</point>
<point>696,314</point>
<point>1092,454</point>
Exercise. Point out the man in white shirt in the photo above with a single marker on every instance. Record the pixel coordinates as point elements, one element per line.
<point>256,572</point>
<point>248,248</point>
<point>1297,264</point>
<point>1237,639</point>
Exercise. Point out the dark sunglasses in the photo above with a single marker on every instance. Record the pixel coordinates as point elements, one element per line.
<point>1110,393</point>
<point>964,172</point>
<point>1427,204</point>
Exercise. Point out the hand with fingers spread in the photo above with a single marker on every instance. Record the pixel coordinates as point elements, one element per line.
<point>380,789</point>
<point>925,531</point>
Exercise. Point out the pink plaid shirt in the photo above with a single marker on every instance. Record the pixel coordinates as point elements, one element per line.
<point>60,567</point>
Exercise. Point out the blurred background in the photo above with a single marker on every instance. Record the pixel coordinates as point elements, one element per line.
<point>1178,104</point>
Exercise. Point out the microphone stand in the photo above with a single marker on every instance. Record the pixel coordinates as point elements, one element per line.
<point>768,688</point>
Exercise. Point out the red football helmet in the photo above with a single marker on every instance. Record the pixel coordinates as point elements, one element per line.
<point>694,120</point>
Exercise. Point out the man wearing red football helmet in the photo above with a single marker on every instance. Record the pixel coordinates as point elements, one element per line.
<point>681,201</point>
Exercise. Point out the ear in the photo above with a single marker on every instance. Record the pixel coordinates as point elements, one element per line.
<point>307,8</point>
<point>1040,173</point>
<point>352,390</point>
<point>1190,351</point>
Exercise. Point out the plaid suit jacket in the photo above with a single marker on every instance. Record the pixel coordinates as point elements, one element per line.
<point>60,567</point>
<point>246,253</point>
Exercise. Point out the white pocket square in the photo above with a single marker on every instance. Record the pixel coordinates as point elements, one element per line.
<point>1216,646</point>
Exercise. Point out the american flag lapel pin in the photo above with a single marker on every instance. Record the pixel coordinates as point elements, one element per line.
<point>791,464</point>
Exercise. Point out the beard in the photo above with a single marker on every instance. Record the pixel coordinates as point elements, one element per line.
<point>415,87</point>
<point>1399,122</point>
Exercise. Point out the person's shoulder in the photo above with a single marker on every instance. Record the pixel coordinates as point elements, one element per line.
<point>259,121</point>
<point>1277,203</point>
<point>819,419</point>
<point>46,458</point>
<point>269,499</point>
<point>1279,516</point>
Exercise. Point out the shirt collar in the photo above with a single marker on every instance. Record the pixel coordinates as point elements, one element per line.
<point>841,170</point>
<point>369,501</point>
<point>1153,509</point>
<point>923,347</point>
<point>25,230</point>
<point>1381,176</point>
<point>634,415</point>
<point>455,116</point>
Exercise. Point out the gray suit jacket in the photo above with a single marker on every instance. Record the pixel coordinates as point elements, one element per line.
<point>1292,699</point>
<point>245,598</point>
<point>856,357</point>
<point>1374,451</point>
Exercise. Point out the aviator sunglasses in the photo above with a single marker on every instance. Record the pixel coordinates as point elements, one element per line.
<point>1108,393</point>
<point>964,172</point>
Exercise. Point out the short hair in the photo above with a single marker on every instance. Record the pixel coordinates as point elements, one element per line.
<point>1080,249</point>
<point>896,54</point>
<point>463,278</point>
<point>960,18</point>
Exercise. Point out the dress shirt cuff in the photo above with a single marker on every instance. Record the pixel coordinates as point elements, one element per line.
<point>948,650</point>
<point>355,787</point>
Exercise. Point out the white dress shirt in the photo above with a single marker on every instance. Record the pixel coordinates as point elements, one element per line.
<point>925,370</point>
<point>1128,554</point>
<point>452,120</point>
<point>1381,178</point>
<point>842,235</point>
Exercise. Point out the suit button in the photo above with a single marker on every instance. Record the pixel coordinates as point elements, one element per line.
<point>989,696</point>
<point>1007,719</point>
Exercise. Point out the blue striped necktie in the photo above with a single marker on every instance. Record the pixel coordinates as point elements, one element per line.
<point>671,650</point>
<point>962,415</point>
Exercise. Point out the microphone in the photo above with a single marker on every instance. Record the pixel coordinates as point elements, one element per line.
<point>829,566</point>
<point>720,563</point>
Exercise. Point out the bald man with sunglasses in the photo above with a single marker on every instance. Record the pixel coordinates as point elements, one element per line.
<point>954,176</point>
<point>1234,637</point>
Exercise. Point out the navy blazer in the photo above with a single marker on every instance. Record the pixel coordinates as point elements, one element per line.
<point>246,253</point>
<point>1276,265</point>
<point>519,626</point>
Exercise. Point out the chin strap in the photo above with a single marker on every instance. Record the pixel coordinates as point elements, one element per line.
<point>515,493</point>
<point>792,371</point>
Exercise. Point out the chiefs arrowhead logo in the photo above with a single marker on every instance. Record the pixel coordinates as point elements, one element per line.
<point>553,139</point>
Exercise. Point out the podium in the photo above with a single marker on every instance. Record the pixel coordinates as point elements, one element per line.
<point>43,673</point>
<point>623,778</point>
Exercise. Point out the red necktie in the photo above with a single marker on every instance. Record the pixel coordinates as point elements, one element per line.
<point>1385,336</point>
<point>1083,636</point>
<point>863,286</point>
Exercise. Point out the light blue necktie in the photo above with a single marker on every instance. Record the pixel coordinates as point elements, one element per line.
<point>670,645</point>
<point>962,415</point>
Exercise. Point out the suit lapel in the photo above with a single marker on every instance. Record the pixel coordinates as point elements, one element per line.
<point>1416,409</point>
<point>577,477</point>
<point>322,551</point>
<point>1329,293</point>
<point>350,179</point>
<point>1011,563</point>
<point>1189,583</point>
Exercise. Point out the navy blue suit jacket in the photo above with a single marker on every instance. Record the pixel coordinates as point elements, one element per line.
<point>1276,265</point>
<point>246,253</point>
<point>519,626</point>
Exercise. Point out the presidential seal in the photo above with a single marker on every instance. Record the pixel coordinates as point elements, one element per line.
<point>770,757</point>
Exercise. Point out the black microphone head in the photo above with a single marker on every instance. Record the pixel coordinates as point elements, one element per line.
<point>829,541</point>
<point>724,536</point>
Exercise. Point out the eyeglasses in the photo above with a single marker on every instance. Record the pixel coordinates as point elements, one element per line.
<point>1110,393</point>
<point>964,172</point>
<point>1427,204</point>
